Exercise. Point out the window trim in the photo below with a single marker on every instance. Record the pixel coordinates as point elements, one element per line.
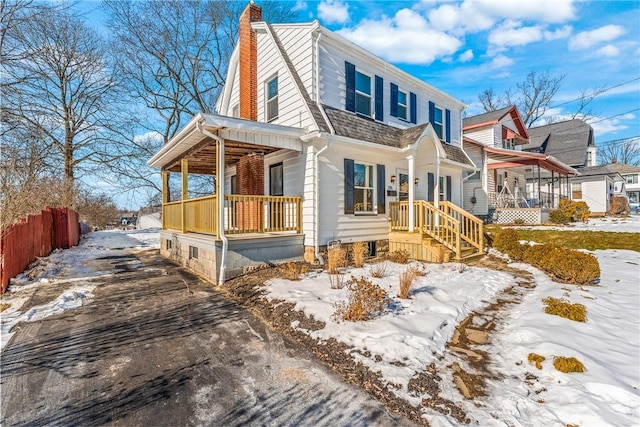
<point>357,92</point>
<point>272,99</point>
<point>372,186</point>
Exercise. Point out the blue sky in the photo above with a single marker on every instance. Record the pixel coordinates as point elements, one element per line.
<point>468,46</point>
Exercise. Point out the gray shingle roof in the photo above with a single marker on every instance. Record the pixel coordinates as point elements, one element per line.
<point>489,116</point>
<point>623,168</point>
<point>596,170</point>
<point>353,126</point>
<point>566,141</point>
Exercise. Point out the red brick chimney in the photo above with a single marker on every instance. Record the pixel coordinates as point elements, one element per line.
<point>249,62</point>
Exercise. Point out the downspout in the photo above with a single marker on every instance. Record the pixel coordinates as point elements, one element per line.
<point>316,227</point>
<point>220,191</point>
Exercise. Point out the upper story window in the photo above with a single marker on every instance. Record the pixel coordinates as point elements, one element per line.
<point>438,122</point>
<point>631,178</point>
<point>271,95</point>
<point>363,94</point>
<point>402,105</point>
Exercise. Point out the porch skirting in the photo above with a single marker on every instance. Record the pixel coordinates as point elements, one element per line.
<point>516,215</point>
<point>201,253</point>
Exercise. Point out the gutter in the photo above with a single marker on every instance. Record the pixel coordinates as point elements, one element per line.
<point>220,192</point>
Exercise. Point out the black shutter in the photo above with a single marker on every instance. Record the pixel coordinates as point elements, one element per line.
<point>430,187</point>
<point>448,188</point>
<point>379,99</point>
<point>393,103</point>
<point>348,186</point>
<point>413,100</point>
<point>350,77</point>
<point>432,113</point>
<point>447,132</point>
<point>381,189</point>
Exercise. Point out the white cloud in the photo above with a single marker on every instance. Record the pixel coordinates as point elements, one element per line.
<point>586,39</point>
<point>333,12</point>
<point>300,6</point>
<point>608,50</point>
<point>560,33</point>
<point>466,56</point>
<point>405,38</point>
<point>610,125</point>
<point>150,138</point>
<point>511,34</point>
<point>500,61</point>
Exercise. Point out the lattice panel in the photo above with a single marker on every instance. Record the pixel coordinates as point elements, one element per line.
<point>510,216</point>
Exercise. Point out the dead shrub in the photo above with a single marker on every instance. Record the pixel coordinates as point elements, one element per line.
<point>366,300</point>
<point>336,260</point>
<point>399,257</point>
<point>563,308</point>
<point>568,364</point>
<point>4,306</point>
<point>536,359</point>
<point>406,279</point>
<point>293,270</point>
<point>508,241</point>
<point>378,270</point>
<point>359,253</point>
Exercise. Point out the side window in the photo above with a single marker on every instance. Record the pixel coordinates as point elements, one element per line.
<point>234,184</point>
<point>276,183</point>
<point>363,94</point>
<point>271,96</point>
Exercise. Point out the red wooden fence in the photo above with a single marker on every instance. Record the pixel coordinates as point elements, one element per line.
<point>36,236</point>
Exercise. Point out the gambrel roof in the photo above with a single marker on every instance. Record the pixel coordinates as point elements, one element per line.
<point>566,141</point>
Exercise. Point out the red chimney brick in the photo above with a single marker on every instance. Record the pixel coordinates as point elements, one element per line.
<point>249,62</point>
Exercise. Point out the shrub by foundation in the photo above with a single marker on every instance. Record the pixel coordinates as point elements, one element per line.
<point>558,217</point>
<point>563,308</point>
<point>336,259</point>
<point>536,359</point>
<point>568,364</point>
<point>366,300</point>
<point>399,257</point>
<point>359,253</point>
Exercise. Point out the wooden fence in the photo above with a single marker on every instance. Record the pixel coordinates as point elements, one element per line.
<point>36,236</point>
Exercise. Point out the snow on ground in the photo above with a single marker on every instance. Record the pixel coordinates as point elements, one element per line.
<point>69,266</point>
<point>415,332</point>
<point>149,221</point>
<point>629,224</point>
<point>608,344</point>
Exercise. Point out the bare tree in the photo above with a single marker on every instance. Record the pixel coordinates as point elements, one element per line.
<point>625,151</point>
<point>97,210</point>
<point>62,93</point>
<point>533,96</point>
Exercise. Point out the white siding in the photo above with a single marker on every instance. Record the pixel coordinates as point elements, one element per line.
<point>333,88</point>
<point>484,135</point>
<point>298,44</point>
<point>481,205</point>
<point>595,194</point>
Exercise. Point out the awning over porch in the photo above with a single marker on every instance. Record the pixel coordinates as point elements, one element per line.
<point>241,138</point>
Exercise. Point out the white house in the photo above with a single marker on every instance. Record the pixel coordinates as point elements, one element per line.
<point>631,176</point>
<point>318,140</point>
<point>595,186</point>
<point>498,192</point>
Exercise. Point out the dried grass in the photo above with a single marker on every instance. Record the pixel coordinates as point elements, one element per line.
<point>292,270</point>
<point>563,308</point>
<point>336,260</point>
<point>406,279</point>
<point>379,270</point>
<point>4,306</point>
<point>568,364</point>
<point>536,359</point>
<point>366,300</point>
<point>359,253</point>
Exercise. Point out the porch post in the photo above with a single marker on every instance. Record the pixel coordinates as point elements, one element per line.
<point>553,190</point>
<point>539,195</point>
<point>184,170</point>
<point>411,159</point>
<point>165,187</point>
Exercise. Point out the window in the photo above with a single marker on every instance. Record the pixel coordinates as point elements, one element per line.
<point>362,187</point>
<point>403,190</point>
<point>275,180</point>
<point>169,244</point>
<point>234,184</point>
<point>438,121</point>
<point>441,188</point>
<point>631,179</point>
<point>633,196</point>
<point>271,95</point>
<point>193,252</point>
<point>576,191</point>
<point>363,94</point>
<point>235,111</point>
<point>402,105</point>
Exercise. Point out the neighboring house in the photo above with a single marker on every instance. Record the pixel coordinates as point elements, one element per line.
<point>498,191</point>
<point>631,176</point>
<point>595,186</point>
<point>318,140</point>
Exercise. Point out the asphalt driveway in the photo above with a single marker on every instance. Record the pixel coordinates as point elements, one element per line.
<point>158,347</point>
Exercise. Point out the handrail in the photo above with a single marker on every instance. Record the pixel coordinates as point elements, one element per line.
<point>472,230</point>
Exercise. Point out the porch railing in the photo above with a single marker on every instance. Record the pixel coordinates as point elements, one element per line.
<point>471,227</point>
<point>429,220</point>
<point>522,200</point>
<point>243,214</point>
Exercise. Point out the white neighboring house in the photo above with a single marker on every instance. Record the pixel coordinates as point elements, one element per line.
<point>498,192</point>
<point>595,186</point>
<point>631,176</point>
<point>318,140</point>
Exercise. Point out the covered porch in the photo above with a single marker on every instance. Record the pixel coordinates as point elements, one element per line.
<point>237,226</point>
